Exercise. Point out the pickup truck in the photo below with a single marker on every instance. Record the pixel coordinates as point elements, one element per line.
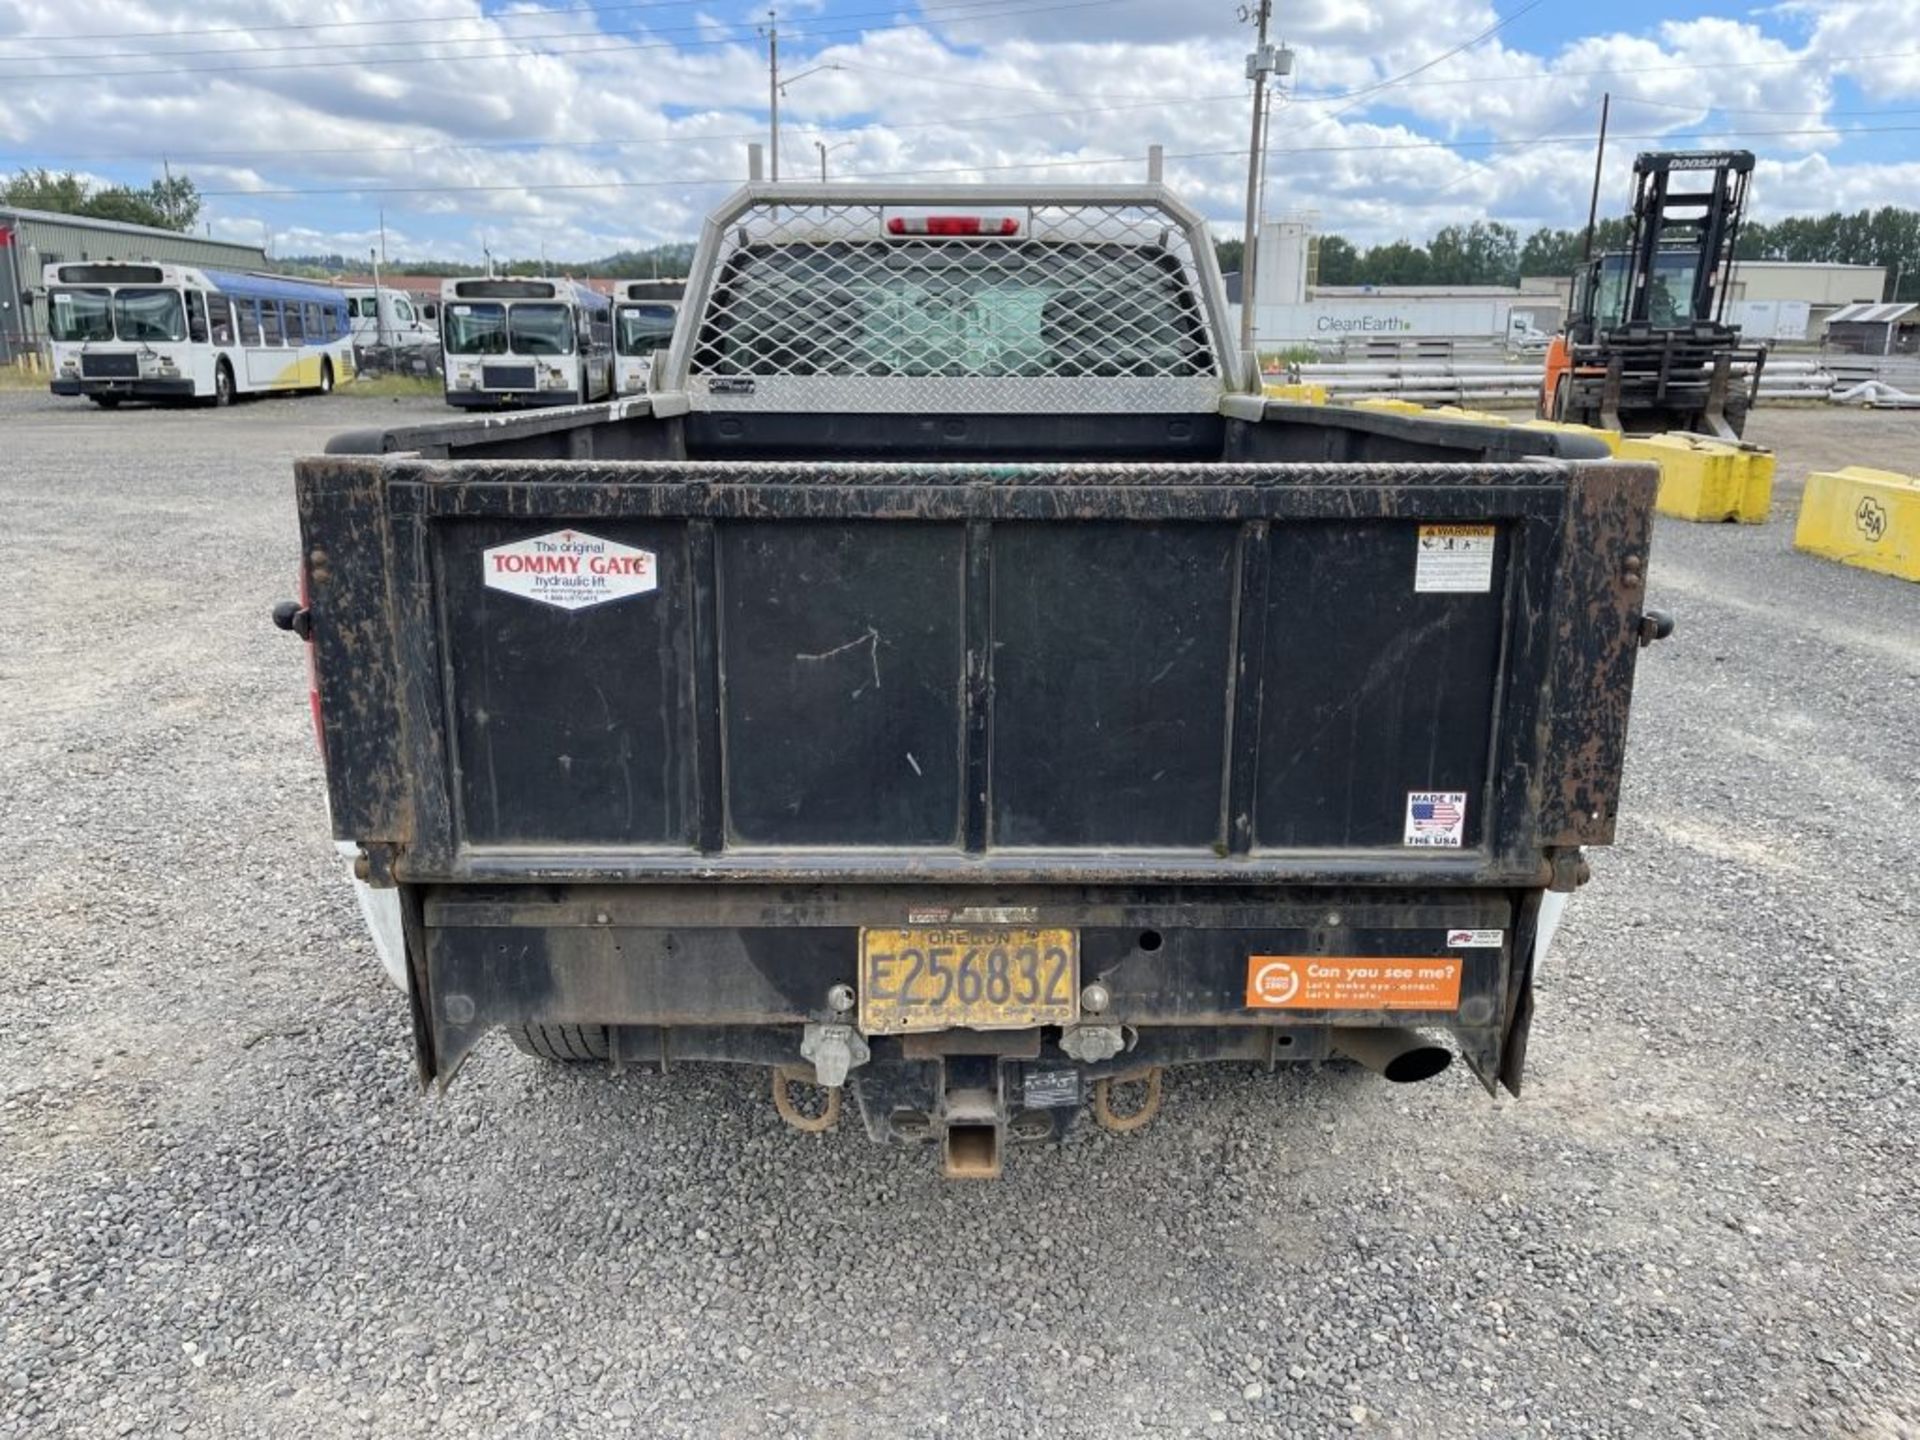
<point>954,684</point>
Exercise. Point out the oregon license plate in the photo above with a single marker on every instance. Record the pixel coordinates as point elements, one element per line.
<point>967,977</point>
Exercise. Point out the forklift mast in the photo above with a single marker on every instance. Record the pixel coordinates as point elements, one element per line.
<point>1672,223</point>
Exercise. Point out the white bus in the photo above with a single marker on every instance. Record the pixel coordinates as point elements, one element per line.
<point>142,331</point>
<point>511,342</point>
<point>643,316</point>
<point>388,317</point>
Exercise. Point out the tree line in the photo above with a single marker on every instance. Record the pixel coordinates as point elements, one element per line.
<point>170,202</point>
<point>668,262</point>
<point>1486,252</point>
<point>1483,252</point>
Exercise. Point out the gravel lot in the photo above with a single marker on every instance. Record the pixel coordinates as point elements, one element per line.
<point>226,1211</point>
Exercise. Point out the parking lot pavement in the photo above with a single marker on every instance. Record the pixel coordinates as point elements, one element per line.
<point>225,1210</point>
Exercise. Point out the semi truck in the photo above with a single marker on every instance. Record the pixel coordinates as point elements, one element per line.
<point>955,689</point>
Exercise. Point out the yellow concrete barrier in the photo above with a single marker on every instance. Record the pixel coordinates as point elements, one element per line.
<point>1478,417</point>
<point>1610,438</point>
<point>1300,392</point>
<point>1868,518</point>
<point>1387,403</point>
<point>1703,479</point>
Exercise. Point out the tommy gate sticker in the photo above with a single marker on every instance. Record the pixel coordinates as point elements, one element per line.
<point>570,569</point>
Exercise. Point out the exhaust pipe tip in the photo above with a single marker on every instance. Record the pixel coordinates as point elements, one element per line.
<point>1423,1062</point>
<point>1402,1057</point>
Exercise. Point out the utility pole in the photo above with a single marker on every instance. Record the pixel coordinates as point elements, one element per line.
<point>1599,158</point>
<point>1264,61</point>
<point>379,319</point>
<point>821,145</point>
<point>773,88</point>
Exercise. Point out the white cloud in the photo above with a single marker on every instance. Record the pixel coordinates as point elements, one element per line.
<point>665,108</point>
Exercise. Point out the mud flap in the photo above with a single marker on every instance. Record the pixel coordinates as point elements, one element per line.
<point>1513,1055</point>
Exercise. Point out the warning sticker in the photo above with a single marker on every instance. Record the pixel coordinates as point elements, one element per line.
<point>1454,558</point>
<point>1475,939</point>
<point>1436,819</point>
<point>1342,982</point>
<point>570,570</point>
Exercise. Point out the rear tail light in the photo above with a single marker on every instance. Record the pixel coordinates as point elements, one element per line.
<point>313,679</point>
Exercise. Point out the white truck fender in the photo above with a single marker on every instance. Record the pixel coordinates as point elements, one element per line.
<point>381,910</point>
<point>1553,905</point>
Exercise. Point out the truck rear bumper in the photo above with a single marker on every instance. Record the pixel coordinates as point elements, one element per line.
<point>772,976</point>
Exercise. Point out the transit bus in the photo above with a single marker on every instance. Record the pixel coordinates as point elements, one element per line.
<point>513,342</point>
<point>643,316</point>
<point>174,333</point>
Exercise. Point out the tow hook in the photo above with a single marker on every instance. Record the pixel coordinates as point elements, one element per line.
<point>292,615</point>
<point>1103,1112</point>
<point>1654,625</point>
<point>786,1076</point>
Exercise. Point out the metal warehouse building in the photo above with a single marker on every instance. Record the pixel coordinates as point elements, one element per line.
<point>31,239</point>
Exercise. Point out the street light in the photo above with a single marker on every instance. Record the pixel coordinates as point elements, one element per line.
<point>777,86</point>
<point>826,150</point>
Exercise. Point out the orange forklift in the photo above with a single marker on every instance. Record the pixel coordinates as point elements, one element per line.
<point>1646,346</point>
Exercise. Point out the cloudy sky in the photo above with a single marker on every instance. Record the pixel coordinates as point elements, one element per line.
<point>581,128</point>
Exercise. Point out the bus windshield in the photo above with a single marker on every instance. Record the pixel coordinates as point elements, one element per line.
<point>541,329</point>
<point>149,315</point>
<point>81,315</point>
<point>643,329</point>
<point>476,329</point>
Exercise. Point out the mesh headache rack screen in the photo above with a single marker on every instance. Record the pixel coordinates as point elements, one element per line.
<point>871,305</point>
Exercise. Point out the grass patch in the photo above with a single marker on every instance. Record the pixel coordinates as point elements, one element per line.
<point>1292,355</point>
<point>395,385</point>
<point>18,377</point>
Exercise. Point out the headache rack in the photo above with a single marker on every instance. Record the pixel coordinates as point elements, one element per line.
<point>1095,299</point>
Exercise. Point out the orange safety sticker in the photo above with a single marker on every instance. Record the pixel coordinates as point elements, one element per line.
<point>1352,982</point>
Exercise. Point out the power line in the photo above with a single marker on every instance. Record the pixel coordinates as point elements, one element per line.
<point>731,136</point>
<point>1711,108</point>
<point>865,68</point>
<point>348,24</point>
<point>1064,163</point>
<point>971,10</point>
<point>1445,55</point>
<point>435,19</point>
<point>456,146</point>
<point>250,52</point>
<point>1876,57</point>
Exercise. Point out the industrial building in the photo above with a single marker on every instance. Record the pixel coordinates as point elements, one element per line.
<point>1875,329</point>
<point>33,239</point>
<point>1772,300</point>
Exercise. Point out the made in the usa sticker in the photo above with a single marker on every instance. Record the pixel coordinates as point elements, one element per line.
<point>1436,819</point>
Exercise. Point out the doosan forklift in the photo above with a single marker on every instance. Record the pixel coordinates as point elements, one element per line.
<point>1646,346</point>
